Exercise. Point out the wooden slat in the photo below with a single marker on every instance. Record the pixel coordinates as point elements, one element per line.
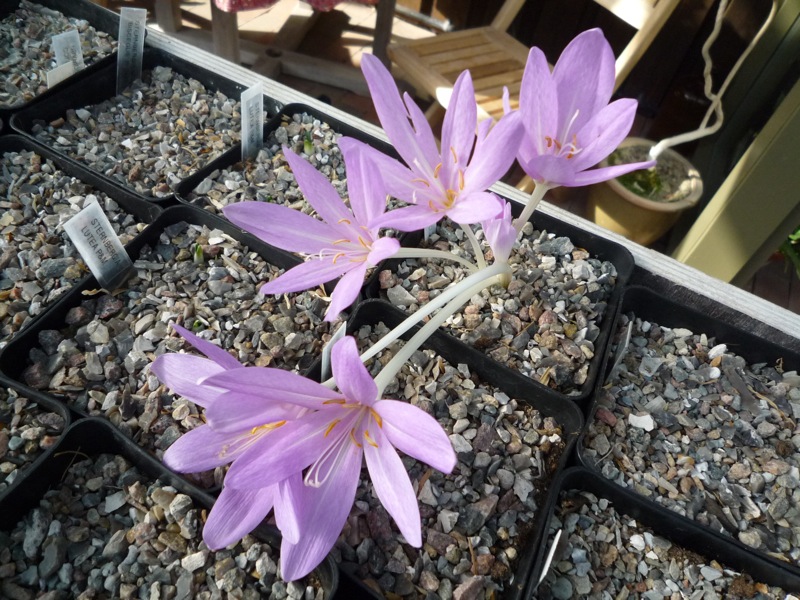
<point>483,84</point>
<point>435,45</point>
<point>471,53</point>
<point>494,63</point>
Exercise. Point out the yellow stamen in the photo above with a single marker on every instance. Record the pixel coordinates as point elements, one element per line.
<point>453,152</point>
<point>267,427</point>
<point>436,170</point>
<point>338,256</point>
<point>376,416</point>
<point>344,220</point>
<point>460,179</point>
<point>362,242</point>
<point>353,438</point>
<point>341,241</point>
<point>422,181</point>
<point>335,401</point>
<point>369,439</point>
<point>333,424</point>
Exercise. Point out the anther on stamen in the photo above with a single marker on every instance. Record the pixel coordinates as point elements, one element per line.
<point>376,416</point>
<point>338,256</point>
<point>369,439</point>
<point>353,438</point>
<point>436,170</point>
<point>344,220</point>
<point>455,156</point>
<point>333,424</point>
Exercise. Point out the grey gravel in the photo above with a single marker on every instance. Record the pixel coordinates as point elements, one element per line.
<point>268,178</point>
<point>26,52</point>
<point>78,545</point>
<point>156,133</point>
<point>544,324</point>
<point>690,424</point>
<point>474,530</point>
<point>606,554</point>
<point>38,262</point>
<point>26,431</point>
<point>99,361</point>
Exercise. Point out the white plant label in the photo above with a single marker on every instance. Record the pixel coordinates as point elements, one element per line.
<point>252,121</point>
<point>95,239</point>
<point>59,74</point>
<point>326,351</point>
<point>131,46</point>
<point>550,556</point>
<point>67,48</point>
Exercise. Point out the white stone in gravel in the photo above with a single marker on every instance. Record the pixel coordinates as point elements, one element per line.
<point>637,541</point>
<point>114,502</point>
<point>645,422</point>
<point>447,519</point>
<point>398,296</point>
<point>709,573</point>
<point>195,561</point>
<point>522,488</point>
<point>426,495</point>
<point>460,444</point>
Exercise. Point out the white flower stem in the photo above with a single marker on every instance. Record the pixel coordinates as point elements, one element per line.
<point>476,246</point>
<point>536,196</point>
<point>494,274</point>
<point>429,253</point>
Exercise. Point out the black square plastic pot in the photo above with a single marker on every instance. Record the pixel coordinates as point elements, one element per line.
<point>90,438</point>
<point>751,444</point>
<point>100,18</point>
<point>599,248</point>
<point>663,523</point>
<point>144,212</point>
<point>547,402</point>
<point>40,403</point>
<point>232,159</point>
<point>101,86</point>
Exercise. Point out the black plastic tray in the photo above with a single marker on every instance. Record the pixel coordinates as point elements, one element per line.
<point>93,437</point>
<point>47,404</point>
<point>514,384</point>
<point>102,86</point>
<point>14,357</point>
<point>100,18</point>
<point>600,248</point>
<point>233,156</point>
<point>667,524</point>
<point>660,308</point>
<point>146,212</point>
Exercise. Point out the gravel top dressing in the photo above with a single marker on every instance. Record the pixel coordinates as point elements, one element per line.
<point>691,425</point>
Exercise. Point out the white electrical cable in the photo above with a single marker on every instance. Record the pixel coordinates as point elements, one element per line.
<point>716,99</point>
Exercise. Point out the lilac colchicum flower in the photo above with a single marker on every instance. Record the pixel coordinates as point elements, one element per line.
<point>500,234</point>
<point>452,182</point>
<point>344,243</point>
<point>329,443</point>
<point>569,124</point>
<point>236,512</point>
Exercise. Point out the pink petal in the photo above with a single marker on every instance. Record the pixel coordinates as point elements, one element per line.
<point>183,374</point>
<point>215,353</point>
<point>324,511</point>
<point>458,129</point>
<point>604,174</point>
<point>538,102</point>
<point>289,495</point>
<point>346,291</point>
<point>235,514</point>
<point>307,275</point>
<point>242,411</point>
<point>409,218</point>
<point>201,449</point>
<point>602,134</point>
<point>282,226</point>
<point>393,486</point>
<point>275,385</point>
<point>350,374</point>
<point>367,196</point>
<point>317,190</point>
<point>550,169</point>
<point>584,77</point>
<point>415,432</point>
<point>495,153</point>
<point>382,248</point>
<point>474,208</point>
<point>284,452</point>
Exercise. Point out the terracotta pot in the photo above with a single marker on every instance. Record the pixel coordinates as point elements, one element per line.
<point>615,207</point>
